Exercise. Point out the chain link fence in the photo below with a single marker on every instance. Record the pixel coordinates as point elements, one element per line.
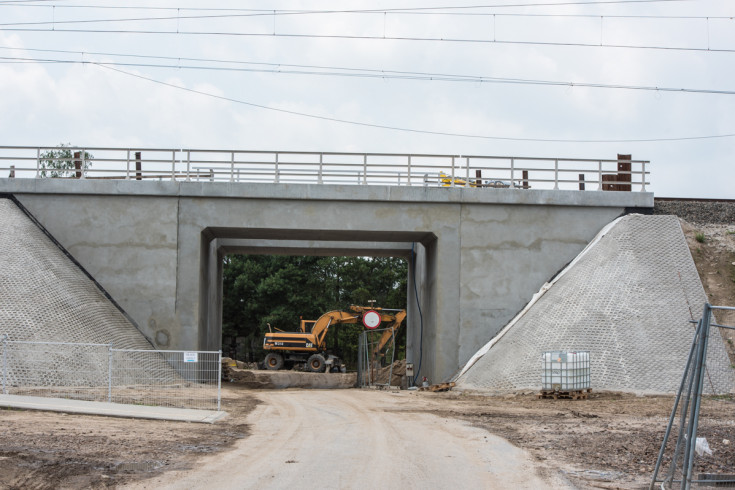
<point>98,372</point>
<point>698,448</point>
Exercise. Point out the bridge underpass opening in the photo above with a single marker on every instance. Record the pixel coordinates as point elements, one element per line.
<point>263,293</point>
<point>225,248</point>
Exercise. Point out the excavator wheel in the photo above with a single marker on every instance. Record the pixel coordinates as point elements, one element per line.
<point>316,363</point>
<point>273,361</point>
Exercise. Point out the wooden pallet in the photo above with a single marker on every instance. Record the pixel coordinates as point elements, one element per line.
<point>565,395</point>
<point>439,387</point>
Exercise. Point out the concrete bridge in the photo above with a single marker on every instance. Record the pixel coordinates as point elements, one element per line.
<point>477,252</point>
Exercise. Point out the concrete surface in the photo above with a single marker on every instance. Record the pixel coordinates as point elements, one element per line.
<point>628,301</point>
<point>358,439</point>
<point>110,409</point>
<point>480,254</point>
<point>291,379</point>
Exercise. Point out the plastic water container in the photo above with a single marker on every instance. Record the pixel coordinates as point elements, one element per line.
<point>565,371</point>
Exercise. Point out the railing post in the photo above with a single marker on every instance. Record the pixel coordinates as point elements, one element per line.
<point>364,169</point>
<point>599,175</point>
<point>277,177</point>
<point>467,173</point>
<point>643,176</point>
<point>109,373</point>
<point>38,162</point>
<point>320,179</point>
<point>188,165</point>
<point>409,171</point>
<point>512,172</point>
<point>127,166</point>
<point>5,364</point>
<point>451,177</point>
<point>173,164</point>
<point>232,167</point>
<point>84,163</point>
<point>556,174</point>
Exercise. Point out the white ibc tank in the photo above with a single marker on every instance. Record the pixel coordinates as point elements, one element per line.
<point>565,371</point>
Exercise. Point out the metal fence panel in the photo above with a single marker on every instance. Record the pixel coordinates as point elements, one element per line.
<point>699,443</point>
<point>97,372</point>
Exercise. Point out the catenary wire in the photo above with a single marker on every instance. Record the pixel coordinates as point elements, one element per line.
<point>707,49</point>
<point>278,68</point>
<point>405,129</point>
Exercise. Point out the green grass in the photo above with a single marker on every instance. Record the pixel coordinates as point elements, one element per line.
<point>700,237</point>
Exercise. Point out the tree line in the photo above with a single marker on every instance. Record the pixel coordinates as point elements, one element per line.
<point>280,290</point>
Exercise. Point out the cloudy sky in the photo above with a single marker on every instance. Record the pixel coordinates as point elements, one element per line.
<point>548,78</point>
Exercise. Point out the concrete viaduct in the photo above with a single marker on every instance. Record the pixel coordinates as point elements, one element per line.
<point>480,253</point>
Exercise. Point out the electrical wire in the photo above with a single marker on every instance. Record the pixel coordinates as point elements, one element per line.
<point>392,10</point>
<point>707,49</point>
<point>405,129</point>
<point>287,69</point>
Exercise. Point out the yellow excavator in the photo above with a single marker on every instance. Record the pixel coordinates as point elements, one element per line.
<point>308,345</point>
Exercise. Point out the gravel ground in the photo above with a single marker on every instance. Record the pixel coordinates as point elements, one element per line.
<point>698,212</point>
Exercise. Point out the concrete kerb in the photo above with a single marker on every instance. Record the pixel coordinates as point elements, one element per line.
<point>110,409</point>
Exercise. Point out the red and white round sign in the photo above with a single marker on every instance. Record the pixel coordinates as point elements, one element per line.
<point>371,319</point>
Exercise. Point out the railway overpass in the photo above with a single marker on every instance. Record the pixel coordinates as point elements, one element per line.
<point>481,234</point>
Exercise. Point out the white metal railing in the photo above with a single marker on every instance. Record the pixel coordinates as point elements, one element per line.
<point>324,168</point>
<point>99,372</point>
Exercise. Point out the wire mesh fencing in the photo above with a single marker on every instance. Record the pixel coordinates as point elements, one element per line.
<point>98,372</point>
<point>376,359</point>
<point>698,448</point>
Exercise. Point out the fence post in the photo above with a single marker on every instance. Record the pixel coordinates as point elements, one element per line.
<point>643,176</point>
<point>556,174</point>
<point>109,373</point>
<point>364,169</point>
<point>219,381</point>
<point>5,364</point>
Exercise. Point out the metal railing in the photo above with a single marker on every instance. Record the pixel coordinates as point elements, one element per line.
<point>324,168</point>
<point>99,372</point>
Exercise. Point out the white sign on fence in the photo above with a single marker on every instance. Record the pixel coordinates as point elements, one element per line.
<point>191,357</point>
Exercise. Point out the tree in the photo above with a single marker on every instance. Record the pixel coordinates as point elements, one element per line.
<point>280,290</point>
<point>61,162</point>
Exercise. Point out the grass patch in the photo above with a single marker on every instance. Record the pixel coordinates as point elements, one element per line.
<point>700,237</point>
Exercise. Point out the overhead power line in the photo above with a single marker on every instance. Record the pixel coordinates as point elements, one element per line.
<point>28,3</point>
<point>179,17</point>
<point>315,70</point>
<point>378,38</point>
<point>405,129</point>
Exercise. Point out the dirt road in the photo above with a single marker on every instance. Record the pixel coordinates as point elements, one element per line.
<point>358,439</point>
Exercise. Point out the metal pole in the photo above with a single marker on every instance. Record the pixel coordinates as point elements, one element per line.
<point>276,169</point>
<point>684,410</point>
<point>219,381</point>
<point>38,162</point>
<point>127,166</point>
<point>451,177</point>
<point>673,413</point>
<point>232,167</point>
<point>556,174</point>
<point>109,373</point>
<point>409,171</point>
<point>706,317</point>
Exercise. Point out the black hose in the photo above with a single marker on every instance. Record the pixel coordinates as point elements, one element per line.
<point>421,316</point>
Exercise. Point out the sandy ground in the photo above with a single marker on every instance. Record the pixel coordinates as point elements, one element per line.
<point>359,439</point>
<point>280,438</point>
